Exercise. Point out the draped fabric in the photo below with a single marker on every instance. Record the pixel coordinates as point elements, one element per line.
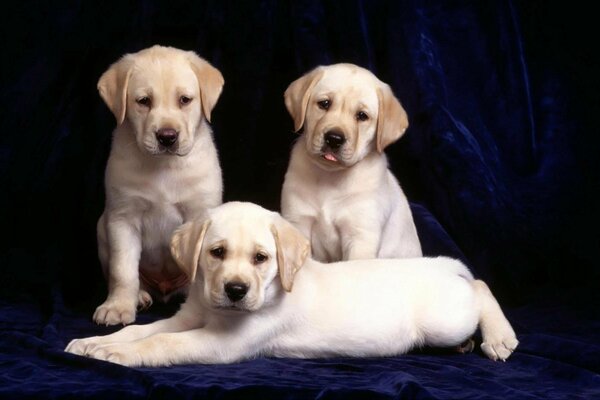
<point>500,163</point>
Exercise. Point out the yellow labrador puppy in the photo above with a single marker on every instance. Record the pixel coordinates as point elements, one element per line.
<point>162,171</point>
<point>338,189</point>
<point>256,292</point>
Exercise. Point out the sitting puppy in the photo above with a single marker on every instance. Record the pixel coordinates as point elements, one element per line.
<point>338,190</point>
<point>255,292</point>
<point>162,171</point>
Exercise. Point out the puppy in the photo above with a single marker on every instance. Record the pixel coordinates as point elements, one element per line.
<point>162,171</point>
<point>338,190</point>
<point>256,292</point>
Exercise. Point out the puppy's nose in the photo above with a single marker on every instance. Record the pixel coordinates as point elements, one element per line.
<point>167,136</point>
<point>334,139</point>
<point>236,291</point>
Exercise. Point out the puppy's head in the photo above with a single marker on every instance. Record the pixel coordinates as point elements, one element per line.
<point>236,252</point>
<point>346,112</point>
<point>163,93</point>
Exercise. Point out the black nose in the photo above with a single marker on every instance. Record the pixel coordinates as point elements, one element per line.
<point>236,291</point>
<point>334,139</point>
<point>166,136</point>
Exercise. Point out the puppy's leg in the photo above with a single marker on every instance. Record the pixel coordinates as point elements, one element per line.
<point>499,339</point>
<point>465,347</point>
<point>360,232</point>
<point>144,297</point>
<point>360,242</point>
<point>103,251</point>
<point>183,320</point>
<point>202,346</point>
<point>124,243</point>
<point>399,238</point>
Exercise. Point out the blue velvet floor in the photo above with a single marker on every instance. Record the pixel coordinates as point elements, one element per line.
<point>558,358</point>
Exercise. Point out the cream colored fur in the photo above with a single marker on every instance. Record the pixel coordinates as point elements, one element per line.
<point>347,201</point>
<point>298,307</point>
<point>150,189</point>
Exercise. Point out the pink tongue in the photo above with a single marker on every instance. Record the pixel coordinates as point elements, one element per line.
<point>330,157</point>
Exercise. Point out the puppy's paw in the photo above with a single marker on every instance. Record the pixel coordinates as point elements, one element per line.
<point>115,311</point>
<point>82,347</point>
<point>500,347</point>
<point>144,300</point>
<point>76,346</point>
<point>466,347</point>
<point>118,353</point>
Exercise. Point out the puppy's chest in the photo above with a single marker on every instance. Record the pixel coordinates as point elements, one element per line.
<point>160,183</point>
<point>158,221</point>
<point>168,189</point>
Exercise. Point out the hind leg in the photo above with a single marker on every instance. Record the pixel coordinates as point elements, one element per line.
<point>465,347</point>
<point>144,298</point>
<point>103,250</point>
<point>499,339</point>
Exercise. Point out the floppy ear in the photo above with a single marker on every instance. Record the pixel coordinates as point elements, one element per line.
<point>392,120</point>
<point>292,250</point>
<point>296,96</point>
<point>210,81</point>
<point>186,244</point>
<point>113,86</point>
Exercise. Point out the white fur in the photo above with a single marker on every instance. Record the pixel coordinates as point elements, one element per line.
<point>150,191</point>
<point>355,308</point>
<point>352,208</point>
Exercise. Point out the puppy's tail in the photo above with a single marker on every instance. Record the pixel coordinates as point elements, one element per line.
<point>499,339</point>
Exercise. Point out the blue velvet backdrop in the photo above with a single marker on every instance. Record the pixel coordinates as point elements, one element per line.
<point>500,163</point>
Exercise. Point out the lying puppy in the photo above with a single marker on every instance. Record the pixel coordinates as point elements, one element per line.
<point>162,171</point>
<point>239,308</point>
<point>338,190</point>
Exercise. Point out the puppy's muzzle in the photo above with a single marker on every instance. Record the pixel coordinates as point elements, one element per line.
<point>236,291</point>
<point>334,139</point>
<point>167,137</point>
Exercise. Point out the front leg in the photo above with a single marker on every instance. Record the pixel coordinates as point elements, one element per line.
<point>296,210</point>
<point>125,246</point>
<point>185,319</point>
<point>198,346</point>
<point>360,239</point>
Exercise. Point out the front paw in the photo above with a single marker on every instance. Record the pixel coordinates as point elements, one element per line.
<point>115,311</point>
<point>82,347</point>
<point>118,353</point>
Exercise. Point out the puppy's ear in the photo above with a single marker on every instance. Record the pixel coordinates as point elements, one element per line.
<point>392,120</point>
<point>113,86</point>
<point>210,81</point>
<point>186,244</point>
<point>292,250</point>
<point>296,96</point>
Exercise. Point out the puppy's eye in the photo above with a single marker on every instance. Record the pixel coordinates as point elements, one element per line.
<point>260,258</point>
<point>144,101</point>
<point>218,252</point>
<point>324,104</point>
<point>362,116</point>
<point>184,100</point>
